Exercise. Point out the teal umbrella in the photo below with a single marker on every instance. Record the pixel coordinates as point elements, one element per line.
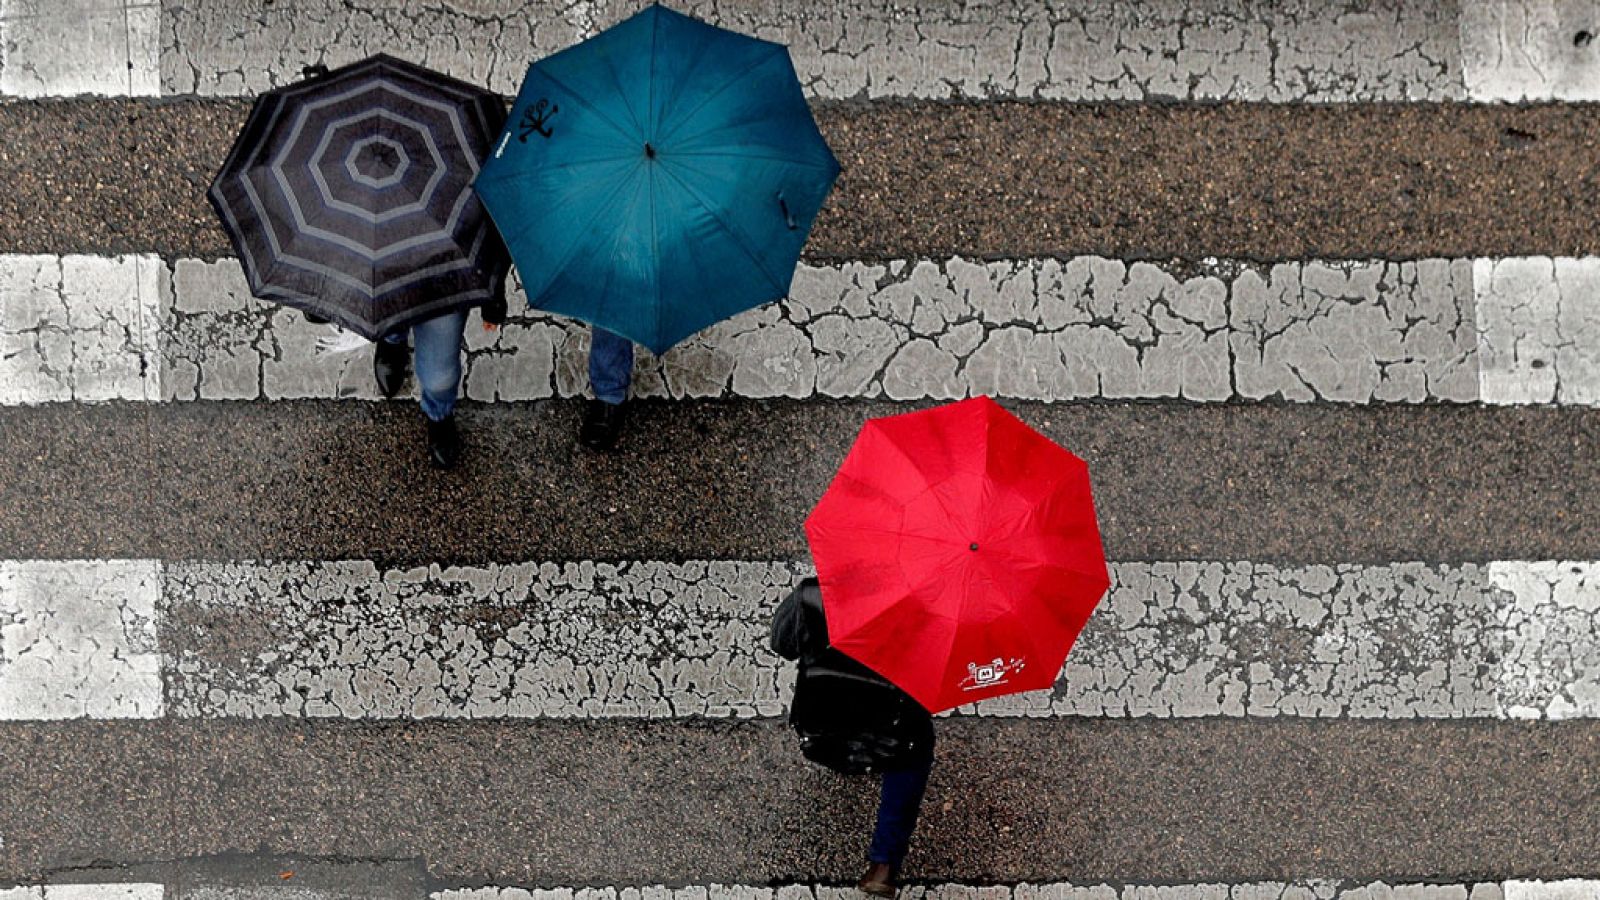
<point>658,177</point>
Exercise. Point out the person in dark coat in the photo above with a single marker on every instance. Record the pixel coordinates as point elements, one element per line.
<point>854,721</point>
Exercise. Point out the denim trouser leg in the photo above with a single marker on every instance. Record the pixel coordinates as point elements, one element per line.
<point>610,366</point>
<point>436,359</point>
<point>898,805</point>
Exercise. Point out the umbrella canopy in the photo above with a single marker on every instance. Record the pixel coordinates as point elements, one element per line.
<point>958,553</point>
<point>658,177</point>
<point>349,196</point>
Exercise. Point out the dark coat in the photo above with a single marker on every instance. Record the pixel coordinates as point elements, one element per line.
<point>849,718</point>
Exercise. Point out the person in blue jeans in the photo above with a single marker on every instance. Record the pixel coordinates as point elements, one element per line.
<point>855,722</point>
<point>436,355</point>
<point>610,373</point>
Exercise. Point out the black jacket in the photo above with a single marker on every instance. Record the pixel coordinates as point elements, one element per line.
<point>849,718</point>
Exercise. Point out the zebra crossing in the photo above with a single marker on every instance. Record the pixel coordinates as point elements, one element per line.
<point>1349,648</point>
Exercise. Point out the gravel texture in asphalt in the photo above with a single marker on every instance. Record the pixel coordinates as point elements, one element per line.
<point>630,802</point>
<point>699,480</point>
<point>932,179</point>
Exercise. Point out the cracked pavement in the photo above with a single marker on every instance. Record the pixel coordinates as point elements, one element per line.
<point>1452,331</point>
<point>1072,50</point>
<point>1294,51</point>
<point>663,640</point>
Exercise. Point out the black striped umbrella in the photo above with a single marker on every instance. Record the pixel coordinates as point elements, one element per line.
<point>349,195</point>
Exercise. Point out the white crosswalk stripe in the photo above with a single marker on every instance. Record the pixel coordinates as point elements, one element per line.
<point>346,639</point>
<point>1501,331</point>
<point>84,892</point>
<point>1316,889</point>
<point>1309,890</point>
<point>1502,50</point>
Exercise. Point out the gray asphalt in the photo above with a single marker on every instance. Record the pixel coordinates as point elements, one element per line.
<point>1147,181</point>
<point>696,480</point>
<point>628,802</point>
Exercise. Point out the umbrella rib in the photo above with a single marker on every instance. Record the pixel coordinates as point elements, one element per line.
<point>655,253</point>
<point>611,274</point>
<point>736,78</point>
<point>766,157</point>
<point>738,238</point>
<point>584,233</point>
<point>682,81</point>
<point>650,101</point>
<point>616,126</point>
<point>523,175</point>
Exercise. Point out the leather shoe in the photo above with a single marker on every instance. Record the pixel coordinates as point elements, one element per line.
<point>444,443</point>
<point>879,881</point>
<point>602,424</point>
<point>389,364</point>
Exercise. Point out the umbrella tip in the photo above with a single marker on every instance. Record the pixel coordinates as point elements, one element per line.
<point>974,547</point>
<point>649,151</point>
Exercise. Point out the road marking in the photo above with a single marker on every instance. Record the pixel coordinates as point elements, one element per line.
<point>1549,631</point>
<point>1518,330</point>
<point>56,48</point>
<point>80,328</point>
<point>1530,50</point>
<point>1265,890</point>
<point>78,640</point>
<point>1077,50</point>
<point>1570,889</point>
<point>346,639</point>
<point>1322,889</point>
<point>1539,330</point>
<point>84,892</point>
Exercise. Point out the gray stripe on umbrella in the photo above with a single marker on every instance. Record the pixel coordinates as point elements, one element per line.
<point>371,254</point>
<point>387,181</point>
<point>316,268</point>
<point>445,232</point>
<point>421,203</point>
<point>314,167</point>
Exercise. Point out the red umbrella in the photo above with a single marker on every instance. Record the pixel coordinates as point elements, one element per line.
<point>958,553</point>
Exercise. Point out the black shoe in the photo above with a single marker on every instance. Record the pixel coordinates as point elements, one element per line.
<point>602,424</point>
<point>389,364</point>
<point>444,443</point>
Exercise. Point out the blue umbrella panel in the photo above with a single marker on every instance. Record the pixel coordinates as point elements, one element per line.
<point>349,196</point>
<point>658,177</point>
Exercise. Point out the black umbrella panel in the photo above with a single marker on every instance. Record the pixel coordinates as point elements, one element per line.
<point>349,196</point>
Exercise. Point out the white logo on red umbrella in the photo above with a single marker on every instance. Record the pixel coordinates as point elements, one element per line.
<point>987,675</point>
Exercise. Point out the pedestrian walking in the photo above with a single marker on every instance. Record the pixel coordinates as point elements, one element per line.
<point>855,722</point>
<point>958,557</point>
<point>610,374</point>
<point>348,196</point>
<point>435,353</point>
<point>655,179</point>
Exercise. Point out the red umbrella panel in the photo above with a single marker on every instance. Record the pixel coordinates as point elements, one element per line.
<point>958,553</point>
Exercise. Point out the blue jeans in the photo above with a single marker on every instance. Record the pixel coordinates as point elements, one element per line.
<point>898,805</point>
<point>436,360</point>
<point>610,366</point>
